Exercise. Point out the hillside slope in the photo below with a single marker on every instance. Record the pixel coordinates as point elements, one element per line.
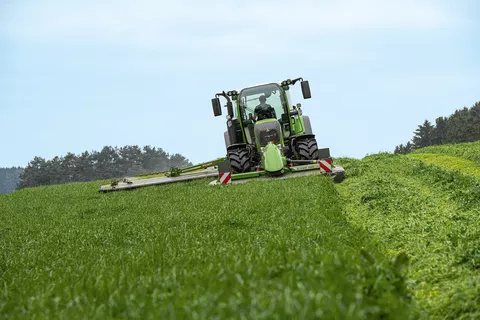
<point>468,151</point>
<point>251,250</point>
<point>463,157</point>
<point>431,213</point>
<point>300,247</point>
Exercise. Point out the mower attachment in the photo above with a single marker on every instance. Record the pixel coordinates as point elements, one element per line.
<point>199,171</point>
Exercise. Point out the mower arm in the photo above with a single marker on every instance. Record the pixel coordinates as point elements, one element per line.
<point>175,171</point>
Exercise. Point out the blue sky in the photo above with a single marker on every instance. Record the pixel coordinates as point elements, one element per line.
<point>79,75</point>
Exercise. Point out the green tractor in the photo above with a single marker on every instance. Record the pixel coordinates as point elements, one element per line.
<point>267,132</point>
<point>267,136</point>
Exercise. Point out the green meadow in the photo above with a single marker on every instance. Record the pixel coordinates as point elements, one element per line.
<point>398,239</point>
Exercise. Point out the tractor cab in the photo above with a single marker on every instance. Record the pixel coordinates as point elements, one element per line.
<point>261,110</point>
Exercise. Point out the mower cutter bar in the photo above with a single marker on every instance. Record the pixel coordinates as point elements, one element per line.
<point>175,171</point>
<point>138,183</point>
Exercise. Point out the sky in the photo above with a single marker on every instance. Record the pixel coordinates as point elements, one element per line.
<point>79,75</point>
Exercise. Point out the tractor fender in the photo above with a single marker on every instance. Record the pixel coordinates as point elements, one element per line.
<point>227,139</point>
<point>308,126</point>
<point>236,146</point>
<point>296,137</point>
<point>304,136</point>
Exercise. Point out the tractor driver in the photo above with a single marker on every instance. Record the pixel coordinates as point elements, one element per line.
<point>263,110</point>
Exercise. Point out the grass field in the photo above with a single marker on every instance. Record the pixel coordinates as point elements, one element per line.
<point>398,239</point>
<point>430,213</point>
<point>252,250</point>
<point>452,163</point>
<point>469,151</point>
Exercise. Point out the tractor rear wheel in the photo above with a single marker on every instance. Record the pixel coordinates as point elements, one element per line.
<point>307,149</point>
<point>240,160</point>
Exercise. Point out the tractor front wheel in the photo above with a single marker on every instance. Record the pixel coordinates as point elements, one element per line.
<point>240,160</point>
<point>307,149</point>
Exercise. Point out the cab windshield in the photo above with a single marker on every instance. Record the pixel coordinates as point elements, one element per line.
<point>256,98</point>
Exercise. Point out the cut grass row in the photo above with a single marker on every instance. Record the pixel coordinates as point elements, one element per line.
<point>270,249</point>
<point>469,150</point>
<point>458,164</point>
<point>433,215</point>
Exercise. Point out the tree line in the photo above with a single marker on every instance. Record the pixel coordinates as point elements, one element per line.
<point>9,178</point>
<point>109,163</point>
<point>461,126</point>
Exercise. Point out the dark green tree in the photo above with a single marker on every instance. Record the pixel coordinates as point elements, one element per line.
<point>109,163</point>
<point>35,174</point>
<point>439,131</point>
<point>106,163</point>
<point>129,160</point>
<point>423,135</point>
<point>461,126</point>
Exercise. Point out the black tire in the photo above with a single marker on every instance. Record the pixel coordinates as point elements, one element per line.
<point>240,160</point>
<point>307,149</point>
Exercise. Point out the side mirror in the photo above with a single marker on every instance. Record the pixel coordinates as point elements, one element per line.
<point>306,90</point>
<point>217,108</point>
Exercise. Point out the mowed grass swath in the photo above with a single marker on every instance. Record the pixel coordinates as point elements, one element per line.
<point>468,150</point>
<point>263,249</point>
<point>430,212</point>
<point>453,163</point>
